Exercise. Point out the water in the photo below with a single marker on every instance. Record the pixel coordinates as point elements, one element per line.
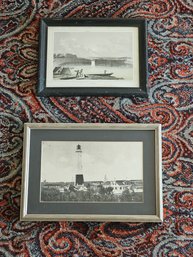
<point>121,72</point>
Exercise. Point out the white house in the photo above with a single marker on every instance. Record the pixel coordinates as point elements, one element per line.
<point>118,186</point>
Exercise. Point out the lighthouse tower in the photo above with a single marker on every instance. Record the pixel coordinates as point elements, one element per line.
<point>79,176</point>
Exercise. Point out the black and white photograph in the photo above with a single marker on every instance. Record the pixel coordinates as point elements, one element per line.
<point>87,55</point>
<point>81,171</point>
<point>92,172</point>
<point>93,56</point>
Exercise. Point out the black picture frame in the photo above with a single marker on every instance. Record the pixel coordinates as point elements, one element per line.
<point>95,86</point>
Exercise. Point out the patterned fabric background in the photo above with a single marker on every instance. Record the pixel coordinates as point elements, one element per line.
<point>170,50</point>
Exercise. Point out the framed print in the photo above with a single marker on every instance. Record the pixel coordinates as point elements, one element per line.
<point>92,172</point>
<point>92,57</point>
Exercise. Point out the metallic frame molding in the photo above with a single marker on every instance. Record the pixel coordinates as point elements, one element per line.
<point>81,90</point>
<point>25,215</point>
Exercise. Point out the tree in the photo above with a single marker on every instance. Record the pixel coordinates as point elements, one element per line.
<point>50,194</point>
<point>102,190</point>
<point>109,190</point>
<point>126,195</point>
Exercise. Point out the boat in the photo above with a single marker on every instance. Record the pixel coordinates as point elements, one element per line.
<point>99,75</point>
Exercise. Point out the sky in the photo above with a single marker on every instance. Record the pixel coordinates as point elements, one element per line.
<point>94,44</point>
<point>116,160</point>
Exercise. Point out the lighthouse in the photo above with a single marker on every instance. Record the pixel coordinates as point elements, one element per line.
<point>79,176</point>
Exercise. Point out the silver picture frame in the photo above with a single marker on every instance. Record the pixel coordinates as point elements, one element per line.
<point>92,172</point>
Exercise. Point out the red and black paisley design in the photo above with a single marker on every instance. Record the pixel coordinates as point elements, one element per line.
<point>170,102</point>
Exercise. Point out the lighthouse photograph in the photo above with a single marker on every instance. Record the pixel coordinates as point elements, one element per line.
<point>88,171</point>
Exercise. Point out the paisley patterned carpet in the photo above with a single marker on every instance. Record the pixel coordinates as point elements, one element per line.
<point>170,50</point>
